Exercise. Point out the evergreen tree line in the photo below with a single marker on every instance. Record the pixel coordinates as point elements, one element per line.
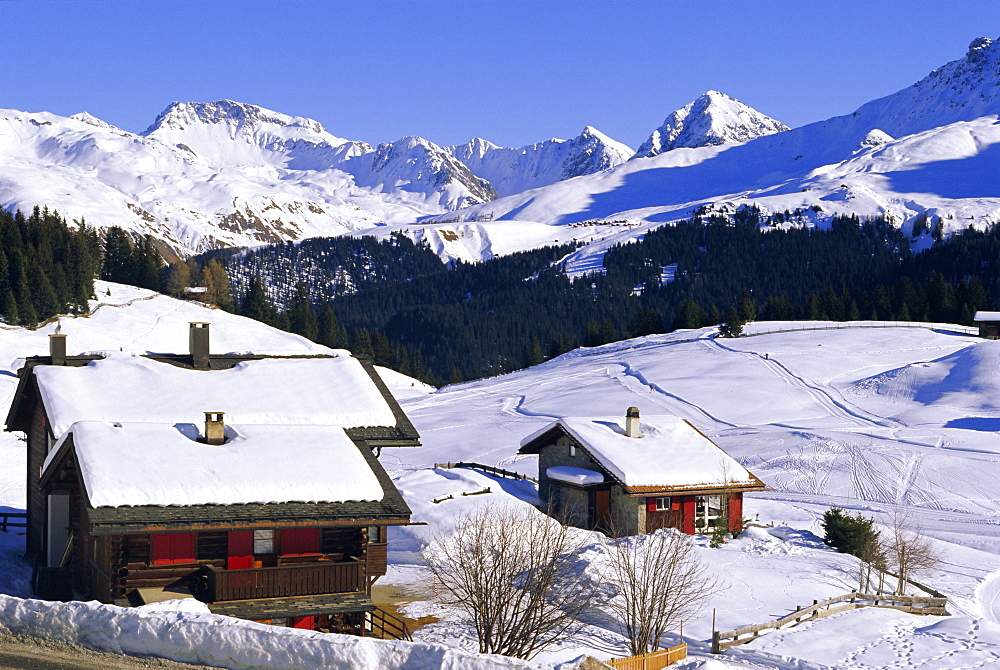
<point>46,268</point>
<point>487,318</point>
<point>329,266</point>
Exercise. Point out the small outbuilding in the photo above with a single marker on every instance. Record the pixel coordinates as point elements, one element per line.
<point>638,475</point>
<point>989,324</point>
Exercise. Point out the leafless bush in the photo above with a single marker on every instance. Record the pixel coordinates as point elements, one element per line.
<point>514,572</point>
<point>910,552</point>
<point>661,585</point>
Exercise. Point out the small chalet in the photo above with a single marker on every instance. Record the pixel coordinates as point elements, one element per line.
<point>989,324</point>
<point>274,508</point>
<point>638,475</point>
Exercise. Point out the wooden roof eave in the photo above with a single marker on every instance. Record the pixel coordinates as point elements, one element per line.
<point>59,461</point>
<point>19,416</point>
<point>755,484</point>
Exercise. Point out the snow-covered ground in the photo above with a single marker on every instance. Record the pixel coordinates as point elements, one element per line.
<point>862,418</point>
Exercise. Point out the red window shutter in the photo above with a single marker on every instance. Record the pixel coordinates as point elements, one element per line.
<point>299,541</point>
<point>173,548</point>
<point>240,549</point>
<point>650,504</point>
<point>162,546</point>
<point>307,622</point>
<point>182,547</point>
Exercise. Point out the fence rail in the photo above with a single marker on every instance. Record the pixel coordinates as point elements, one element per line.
<point>821,609</point>
<point>488,469</point>
<point>5,520</point>
<point>846,325</point>
<point>654,660</point>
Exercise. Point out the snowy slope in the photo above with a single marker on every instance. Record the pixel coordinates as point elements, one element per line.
<point>543,163</point>
<point>944,159</point>
<point>860,417</point>
<point>712,118</point>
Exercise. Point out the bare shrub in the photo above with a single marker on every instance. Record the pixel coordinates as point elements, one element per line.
<point>514,572</point>
<point>910,552</point>
<point>661,585</point>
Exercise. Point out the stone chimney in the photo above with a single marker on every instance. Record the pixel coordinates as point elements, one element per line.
<point>198,342</point>
<point>632,423</point>
<point>57,349</point>
<point>215,428</point>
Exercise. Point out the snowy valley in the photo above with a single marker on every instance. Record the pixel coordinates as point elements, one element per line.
<point>862,415</point>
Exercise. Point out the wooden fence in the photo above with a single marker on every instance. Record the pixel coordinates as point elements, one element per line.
<point>488,469</point>
<point>5,520</point>
<point>654,660</point>
<point>821,609</point>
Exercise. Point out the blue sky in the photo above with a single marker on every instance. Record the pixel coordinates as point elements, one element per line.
<point>511,71</point>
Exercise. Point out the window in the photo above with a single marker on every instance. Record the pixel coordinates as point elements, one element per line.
<point>663,504</point>
<point>263,542</point>
<point>708,510</point>
<point>572,450</point>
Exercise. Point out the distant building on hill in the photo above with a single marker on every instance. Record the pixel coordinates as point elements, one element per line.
<point>638,475</point>
<point>989,324</point>
<point>275,509</point>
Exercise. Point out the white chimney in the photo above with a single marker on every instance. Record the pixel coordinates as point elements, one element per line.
<point>632,423</point>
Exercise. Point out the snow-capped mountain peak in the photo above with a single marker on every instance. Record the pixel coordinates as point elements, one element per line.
<point>239,115</point>
<point>711,119</point>
<point>543,163</point>
<point>262,137</point>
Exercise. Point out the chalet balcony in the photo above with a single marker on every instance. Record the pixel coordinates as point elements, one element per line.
<point>211,584</point>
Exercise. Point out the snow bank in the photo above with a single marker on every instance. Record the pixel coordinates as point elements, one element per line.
<point>214,640</point>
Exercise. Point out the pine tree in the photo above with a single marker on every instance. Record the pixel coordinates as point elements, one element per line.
<point>331,333</point>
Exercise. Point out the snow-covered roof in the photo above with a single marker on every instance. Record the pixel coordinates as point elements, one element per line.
<point>309,391</point>
<point>163,464</point>
<point>580,476</point>
<point>670,453</point>
<point>986,316</point>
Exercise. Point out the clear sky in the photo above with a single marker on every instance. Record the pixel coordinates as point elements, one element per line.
<point>511,71</point>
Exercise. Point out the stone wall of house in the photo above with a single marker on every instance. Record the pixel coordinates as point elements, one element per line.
<point>557,454</point>
<point>570,505</point>
<point>629,513</point>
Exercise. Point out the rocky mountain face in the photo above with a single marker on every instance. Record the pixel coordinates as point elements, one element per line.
<point>711,119</point>
<point>543,163</point>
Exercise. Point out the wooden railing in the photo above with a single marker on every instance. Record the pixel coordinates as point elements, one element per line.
<point>383,625</point>
<point>5,520</point>
<point>299,579</point>
<point>820,609</point>
<point>488,469</point>
<point>654,660</point>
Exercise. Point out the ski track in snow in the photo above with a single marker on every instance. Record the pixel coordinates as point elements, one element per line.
<point>988,596</point>
<point>822,395</point>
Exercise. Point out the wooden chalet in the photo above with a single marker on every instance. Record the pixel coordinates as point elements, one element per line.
<point>275,509</point>
<point>637,476</point>
<point>989,324</point>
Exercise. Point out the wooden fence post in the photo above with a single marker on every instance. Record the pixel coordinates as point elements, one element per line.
<point>715,642</point>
